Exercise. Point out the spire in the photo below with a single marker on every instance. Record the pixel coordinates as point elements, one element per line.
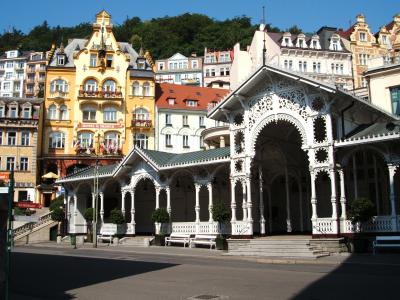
<point>264,48</point>
<point>61,47</point>
<point>141,52</point>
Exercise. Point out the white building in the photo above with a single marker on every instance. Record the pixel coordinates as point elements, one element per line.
<point>217,68</point>
<point>12,73</point>
<point>320,56</point>
<point>182,116</point>
<point>179,69</point>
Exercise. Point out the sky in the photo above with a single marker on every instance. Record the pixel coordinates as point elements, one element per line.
<point>309,15</point>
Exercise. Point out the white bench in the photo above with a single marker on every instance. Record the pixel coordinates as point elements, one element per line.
<point>179,238</point>
<point>203,239</point>
<point>386,242</point>
<point>106,236</point>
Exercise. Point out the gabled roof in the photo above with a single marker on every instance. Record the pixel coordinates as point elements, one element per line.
<point>181,93</point>
<point>156,159</point>
<point>259,75</point>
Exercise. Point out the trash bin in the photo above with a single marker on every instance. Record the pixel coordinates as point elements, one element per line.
<point>73,240</point>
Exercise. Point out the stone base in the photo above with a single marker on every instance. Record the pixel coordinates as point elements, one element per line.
<point>331,245</point>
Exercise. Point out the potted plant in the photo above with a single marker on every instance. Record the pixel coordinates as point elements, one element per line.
<point>160,217</point>
<point>221,215</point>
<point>57,214</point>
<point>361,211</point>
<point>116,217</point>
<point>89,215</point>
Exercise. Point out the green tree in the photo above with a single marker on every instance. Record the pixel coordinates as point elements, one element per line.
<point>294,30</point>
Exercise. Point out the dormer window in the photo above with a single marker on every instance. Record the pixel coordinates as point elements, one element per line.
<point>109,61</point>
<point>26,112</point>
<point>191,103</point>
<point>61,60</point>
<point>13,112</point>
<point>385,40</point>
<point>363,37</point>
<point>335,43</point>
<point>171,101</point>
<point>301,41</point>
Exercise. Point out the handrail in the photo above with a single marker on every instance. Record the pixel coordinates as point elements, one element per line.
<point>32,225</point>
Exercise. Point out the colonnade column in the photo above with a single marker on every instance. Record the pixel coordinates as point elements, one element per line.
<point>314,215</point>
<point>288,218</point>
<point>300,205</point>
<point>262,218</point>
<point>249,206</point>
<point>158,197</point>
<point>133,223</point>
<point>332,175</point>
<point>101,207</point>
<point>233,207</point>
<point>197,207</point>
<point>392,172</point>
<point>75,211</point>
<point>93,199</point>
<point>210,202</point>
<point>342,195</point>
<point>244,201</point>
<point>123,202</point>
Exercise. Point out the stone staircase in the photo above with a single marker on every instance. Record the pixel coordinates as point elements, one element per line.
<point>137,241</point>
<point>276,247</point>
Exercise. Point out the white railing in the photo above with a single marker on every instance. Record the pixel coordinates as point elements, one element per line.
<point>241,228</point>
<point>203,227</point>
<point>377,224</point>
<point>184,227</point>
<point>323,226</point>
<point>29,227</point>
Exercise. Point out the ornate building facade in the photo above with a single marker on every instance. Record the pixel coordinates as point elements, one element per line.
<point>13,73</point>
<point>94,88</point>
<point>217,68</point>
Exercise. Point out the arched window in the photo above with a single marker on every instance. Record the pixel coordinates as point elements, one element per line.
<point>109,86</point>
<point>52,112</point>
<point>89,114</point>
<point>110,114</point>
<point>146,89</point>
<point>141,114</point>
<point>56,140</point>
<point>63,112</point>
<point>90,85</point>
<point>111,142</point>
<point>85,140</point>
<point>135,89</point>
<point>141,140</point>
<point>59,85</point>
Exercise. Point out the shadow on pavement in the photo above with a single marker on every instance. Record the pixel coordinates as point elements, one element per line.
<point>51,276</point>
<point>361,276</point>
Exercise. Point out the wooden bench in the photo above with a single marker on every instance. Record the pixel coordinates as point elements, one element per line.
<point>179,238</point>
<point>386,242</point>
<point>106,236</point>
<point>203,239</point>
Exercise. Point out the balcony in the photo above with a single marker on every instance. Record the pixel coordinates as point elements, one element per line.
<point>59,95</point>
<point>30,70</point>
<point>100,95</point>
<point>137,123</point>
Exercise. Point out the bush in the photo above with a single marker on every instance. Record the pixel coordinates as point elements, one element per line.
<point>57,202</point>
<point>160,215</point>
<point>361,210</point>
<point>19,211</point>
<point>89,214</point>
<point>116,216</point>
<point>57,214</point>
<point>220,213</point>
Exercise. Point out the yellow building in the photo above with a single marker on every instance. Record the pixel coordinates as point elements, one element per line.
<point>99,94</point>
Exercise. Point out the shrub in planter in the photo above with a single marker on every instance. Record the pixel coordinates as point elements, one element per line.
<point>361,211</point>
<point>160,216</point>
<point>56,203</point>
<point>221,215</point>
<point>116,217</point>
<point>57,214</point>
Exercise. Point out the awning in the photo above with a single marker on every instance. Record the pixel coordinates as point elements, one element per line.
<point>50,175</point>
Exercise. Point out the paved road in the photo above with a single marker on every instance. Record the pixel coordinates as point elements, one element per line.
<point>55,273</point>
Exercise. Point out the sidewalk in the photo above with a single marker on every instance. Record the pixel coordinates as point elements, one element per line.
<point>344,258</point>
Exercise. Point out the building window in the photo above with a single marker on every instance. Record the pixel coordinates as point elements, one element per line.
<point>56,140</point>
<point>395,98</point>
<point>168,142</point>
<point>109,86</point>
<point>194,64</point>
<point>111,142</point>
<point>26,112</point>
<point>191,103</point>
<point>135,89</point>
<point>24,138</point>
<point>2,110</point>
<point>171,101</point>
<point>168,120</point>
<point>91,85</point>
<point>1,140</point>
<point>13,113</point>
<point>185,141</point>
<point>160,66</point>
<point>11,138</point>
<point>109,61</point>
<point>89,114</point>
<point>59,85</point>
<point>201,122</point>
<point>60,60</point>
<point>363,37</point>
<point>141,141</point>
<point>363,59</point>
<point>207,73</point>
<point>6,86</point>
<point>110,114</point>
<point>85,140</point>
<point>146,89</point>
<point>9,64</point>
<point>23,164</point>
<point>10,163</point>
<point>63,112</point>
<point>212,72</point>
<point>227,71</point>
<point>52,112</point>
<point>185,121</point>
<point>141,114</point>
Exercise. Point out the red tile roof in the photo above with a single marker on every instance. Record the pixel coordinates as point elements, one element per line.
<point>181,93</point>
<point>346,34</point>
<point>389,26</point>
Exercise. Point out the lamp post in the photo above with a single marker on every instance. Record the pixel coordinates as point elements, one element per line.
<point>9,232</point>
<point>96,193</point>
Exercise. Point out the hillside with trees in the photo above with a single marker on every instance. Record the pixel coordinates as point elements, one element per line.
<point>164,36</point>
